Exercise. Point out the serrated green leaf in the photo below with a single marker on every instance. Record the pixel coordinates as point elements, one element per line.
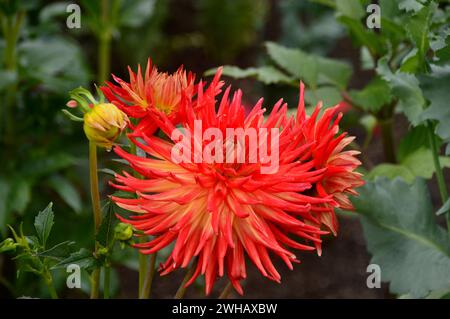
<point>406,88</point>
<point>373,96</point>
<point>411,5</point>
<point>43,224</point>
<point>418,27</point>
<point>403,237</point>
<point>436,90</point>
<point>59,251</point>
<point>83,258</point>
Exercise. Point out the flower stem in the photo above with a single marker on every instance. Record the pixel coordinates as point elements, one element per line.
<point>104,50</point>
<point>438,168</point>
<point>182,289</point>
<point>226,291</point>
<point>387,139</point>
<point>49,282</point>
<point>147,286</point>
<point>106,281</point>
<point>95,197</point>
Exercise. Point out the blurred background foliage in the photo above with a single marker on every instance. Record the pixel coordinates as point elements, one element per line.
<point>394,82</point>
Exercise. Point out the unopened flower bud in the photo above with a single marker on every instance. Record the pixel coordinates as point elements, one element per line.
<point>123,231</point>
<point>104,123</point>
<point>7,245</point>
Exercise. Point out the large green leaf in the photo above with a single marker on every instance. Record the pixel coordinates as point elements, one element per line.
<point>403,237</point>
<point>314,70</point>
<point>83,258</point>
<point>44,223</point>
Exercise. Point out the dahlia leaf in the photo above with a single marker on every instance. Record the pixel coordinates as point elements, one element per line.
<point>403,237</point>
<point>436,91</point>
<point>44,223</point>
<point>362,36</point>
<point>374,96</point>
<point>417,164</point>
<point>406,88</point>
<point>418,27</point>
<point>59,251</point>
<point>106,230</point>
<point>312,69</point>
<point>350,8</point>
<point>411,5</point>
<point>265,74</point>
<point>83,258</point>
<point>329,95</point>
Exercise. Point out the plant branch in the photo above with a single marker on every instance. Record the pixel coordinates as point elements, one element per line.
<point>182,289</point>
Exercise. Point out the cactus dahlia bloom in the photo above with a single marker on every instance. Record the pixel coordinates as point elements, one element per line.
<point>146,96</point>
<point>214,214</point>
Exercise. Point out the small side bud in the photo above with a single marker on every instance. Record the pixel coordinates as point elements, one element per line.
<point>123,231</point>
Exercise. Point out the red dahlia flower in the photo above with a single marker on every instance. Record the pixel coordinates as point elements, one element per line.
<point>216,213</point>
<point>145,97</point>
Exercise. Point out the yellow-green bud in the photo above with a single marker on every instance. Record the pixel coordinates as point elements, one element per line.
<point>123,231</point>
<point>104,123</point>
<point>7,245</point>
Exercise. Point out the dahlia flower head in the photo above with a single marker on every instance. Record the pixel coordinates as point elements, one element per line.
<point>214,215</point>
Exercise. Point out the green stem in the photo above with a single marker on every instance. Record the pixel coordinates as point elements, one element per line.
<point>95,197</point>
<point>182,289</point>
<point>104,50</point>
<point>226,291</point>
<point>147,286</point>
<point>95,283</point>
<point>51,288</point>
<point>106,281</point>
<point>439,172</point>
<point>387,139</point>
<point>11,29</point>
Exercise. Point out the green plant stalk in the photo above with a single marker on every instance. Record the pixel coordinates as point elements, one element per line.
<point>387,139</point>
<point>106,281</point>
<point>182,289</point>
<point>226,291</point>
<point>147,286</point>
<point>438,168</point>
<point>95,197</point>
<point>104,50</point>
<point>11,28</point>
<point>49,282</point>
